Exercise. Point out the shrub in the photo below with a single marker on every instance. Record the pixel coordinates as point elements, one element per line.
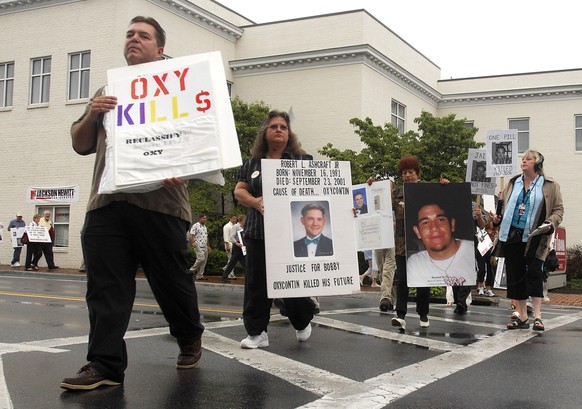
<point>216,260</point>
<point>574,261</point>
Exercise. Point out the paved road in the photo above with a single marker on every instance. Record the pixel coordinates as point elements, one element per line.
<point>353,359</point>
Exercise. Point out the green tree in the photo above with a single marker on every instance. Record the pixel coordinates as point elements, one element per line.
<point>214,199</point>
<point>441,148</point>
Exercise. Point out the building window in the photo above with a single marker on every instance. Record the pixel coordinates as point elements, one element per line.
<point>578,132</point>
<point>6,84</point>
<point>60,218</point>
<point>470,124</point>
<point>40,80</point>
<point>79,71</point>
<point>398,116</point>
<point>522,126</point>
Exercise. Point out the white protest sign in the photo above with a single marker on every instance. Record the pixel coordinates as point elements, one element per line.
<point>307,200</point>
<point>38,234</point>
<point>16,234</point>
<point>477,173</point>
<point>500,274</point>
<point>501,150</point>
<point>374,223</point>
<point>173,119</point>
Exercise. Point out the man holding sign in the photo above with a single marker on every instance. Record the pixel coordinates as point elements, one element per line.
<point>124,230</point>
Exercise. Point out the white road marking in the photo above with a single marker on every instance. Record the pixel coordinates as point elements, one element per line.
<point>5,401</point>
<point>381,390</point>
<point>310,378</point>
<point>335,390</point>
<point>431,344</point>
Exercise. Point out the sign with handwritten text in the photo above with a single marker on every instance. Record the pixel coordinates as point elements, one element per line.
<point>476,173</point>
<point>501,151</point>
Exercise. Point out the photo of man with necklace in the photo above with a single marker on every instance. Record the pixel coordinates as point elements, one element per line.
<point>439,242</point>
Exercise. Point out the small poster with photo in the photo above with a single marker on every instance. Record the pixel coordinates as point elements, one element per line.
<point>501,150</point>
<point>481,184</point>
<point>374,221</point>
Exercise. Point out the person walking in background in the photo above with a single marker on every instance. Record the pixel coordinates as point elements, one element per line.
<point>15,224</point>
<point>238,250</point>
<point>386,261</point>
<point>372,270</point>
<point>124,230</point>
<point>47,248</point>
<point>275,140</point>
<point>199,240</point>
<point>226,229</point>
<point>533,208</point>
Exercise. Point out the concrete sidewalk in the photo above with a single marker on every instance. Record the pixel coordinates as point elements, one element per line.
<point>556,297</point>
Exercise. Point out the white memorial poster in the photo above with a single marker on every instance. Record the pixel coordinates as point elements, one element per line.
<point>173,119</point>
<point>501,150</point>
<point>476,174</point>
<point>309,228</point>
<point>374,222</point>
<point>16,235</point>
<point>38,234</point>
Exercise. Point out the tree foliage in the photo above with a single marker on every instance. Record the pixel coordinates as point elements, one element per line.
<point>441,147</point>
<point>218,200</point>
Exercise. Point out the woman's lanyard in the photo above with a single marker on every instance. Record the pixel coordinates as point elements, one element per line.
<point>525,198</point>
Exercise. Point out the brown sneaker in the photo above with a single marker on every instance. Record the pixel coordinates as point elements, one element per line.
<point>189,355</point>
<point>87,378</point>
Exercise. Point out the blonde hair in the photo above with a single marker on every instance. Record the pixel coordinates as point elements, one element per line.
<point>538,157</point>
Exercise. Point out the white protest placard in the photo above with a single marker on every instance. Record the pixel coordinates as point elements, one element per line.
<point>305,200</point>
<point>477,173</point>
<point>16,234</point>
<point>374,222</point>
<point>173,119</point>
<point>484,242</point>
<point>38,234</point>
<point>501,150</point>
<point>500,274</point>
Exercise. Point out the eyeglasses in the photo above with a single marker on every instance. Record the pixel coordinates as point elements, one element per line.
<point>274,127</point>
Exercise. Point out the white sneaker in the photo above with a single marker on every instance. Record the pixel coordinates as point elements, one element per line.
<point>255,341</point>
<point>424,324</point>
<point>304,334</point>
<point>232,276</point>
<point>489,293</point>
<point>399,322</point>
<point>481,291</point>
<point>17,264</point>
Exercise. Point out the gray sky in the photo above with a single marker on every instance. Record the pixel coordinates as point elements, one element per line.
<point>465,38</point>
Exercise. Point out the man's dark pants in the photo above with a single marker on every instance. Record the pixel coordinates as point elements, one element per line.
<point>116,239</point>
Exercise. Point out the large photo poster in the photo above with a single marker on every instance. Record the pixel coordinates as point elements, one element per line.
<point>173,119</point>
<point>439,226</point>
<point>374,219</point>
<point>501,150</point>
<point>481,184</point>
<point>309,229</point>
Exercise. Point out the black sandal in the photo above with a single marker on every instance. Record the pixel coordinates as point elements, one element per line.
<point>519,324</point>
<point>538,325</point>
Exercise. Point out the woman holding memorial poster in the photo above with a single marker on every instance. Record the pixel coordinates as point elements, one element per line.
<point>275,140</point>
<point>533,209</point>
